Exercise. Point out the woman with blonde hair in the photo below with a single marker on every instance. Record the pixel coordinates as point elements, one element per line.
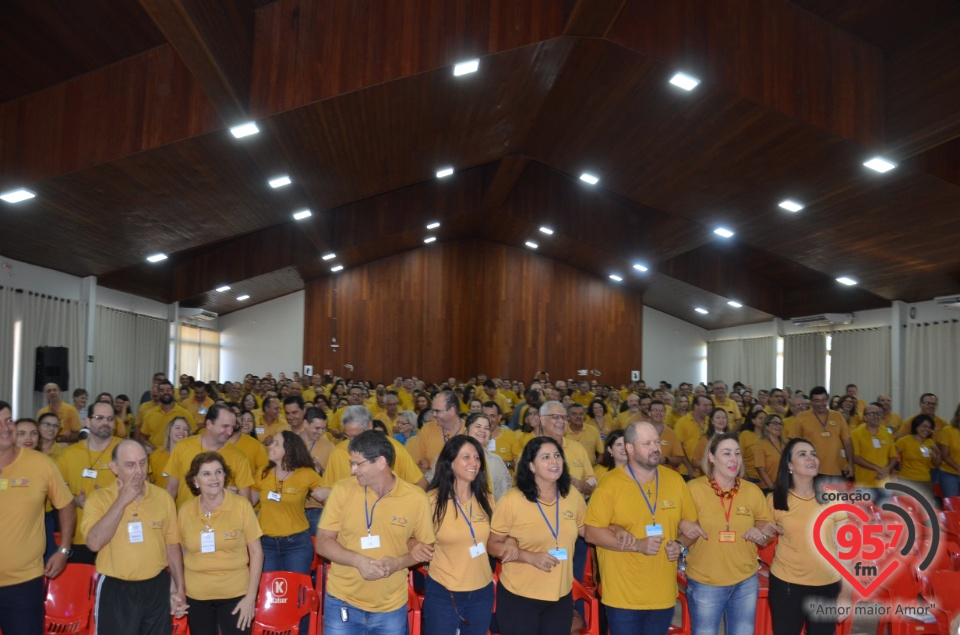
<point>177,430</point>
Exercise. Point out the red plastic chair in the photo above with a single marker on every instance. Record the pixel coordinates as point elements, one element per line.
<point>592,604</point>
<point>950,523</point>
<point>283,600</point>
<point>414,611</point>
<point>180,626</point>
<point>685,627</point>
<point>951,504</point>
<point>940,588</point>
<point>70,600</point>
<point>900,593</point>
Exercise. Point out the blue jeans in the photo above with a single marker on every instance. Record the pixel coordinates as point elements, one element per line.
<point>737,603</point>
<point>288,553</point>
<point>313,517</point>
<point>633,622</point>
<point>949,484</point>
<point>360,622</point>
<point>440,616</point>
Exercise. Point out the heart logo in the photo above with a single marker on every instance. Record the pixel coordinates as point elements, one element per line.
<point>888,569</point>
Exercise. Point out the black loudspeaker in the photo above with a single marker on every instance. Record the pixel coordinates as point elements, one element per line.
<point>52,367</point>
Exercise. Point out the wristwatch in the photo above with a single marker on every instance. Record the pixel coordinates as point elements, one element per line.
<point>683,550</point>
<point>66,552</point>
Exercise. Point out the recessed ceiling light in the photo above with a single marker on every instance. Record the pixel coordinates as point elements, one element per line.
<point>880,164</point>
<point>684,81</point>
<point>734,304</point>
<point>304,213</point>
<point>16,196</point>
<point>241,298</point>
<point>546,230</point>
<point>444,172</point>
<point>430,239</point>
<point>433,225</point>
<point>329,256</point>
<point>847,281</point>
<point>337,268</point>
<point>531,244</point>
<point>723,231</point>
<point>586,177</point>
<point>791,206</point>
<point>615,277</point>
<point>465,68</point>
<point>244,130</point>
<point>225,287</point>
<point>157,258</point>
<point>701,311</point>
<point>280,181</point>
<point>639,267</point>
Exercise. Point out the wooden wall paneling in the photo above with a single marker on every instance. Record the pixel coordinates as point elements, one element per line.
<point>769,51</point>
<point>590,18</point>
<point>307,51</point>
<point>942,161</point>
<point>137,104</point>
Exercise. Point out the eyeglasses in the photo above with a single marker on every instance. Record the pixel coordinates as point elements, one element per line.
<point>872,413</point>
<point>554,417</point>
<point>50,424</point>
<point>99,418</point>
<point>353,465</point>
<point>929,403</point>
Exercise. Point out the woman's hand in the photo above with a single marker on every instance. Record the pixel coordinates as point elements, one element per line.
<point>540,560</point>
<point>244,611</point>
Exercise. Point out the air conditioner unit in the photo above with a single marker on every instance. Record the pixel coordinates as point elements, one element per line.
<point>198,314</point>
<point>948,301</point>
<point>824,319</point>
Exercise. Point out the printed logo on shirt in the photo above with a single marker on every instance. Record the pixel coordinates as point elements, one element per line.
<point>157,524</point>
<point>19,482</point>
<point>231,535</point>
<point>744,511</point>
<point>567,514</point>
<point>479,517</point>
<point>290,490</point>
<point>399,521</point>
<point>668,504</point>
<point>664,442</point>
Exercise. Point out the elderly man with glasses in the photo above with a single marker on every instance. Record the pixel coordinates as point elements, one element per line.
<point>874,452</point>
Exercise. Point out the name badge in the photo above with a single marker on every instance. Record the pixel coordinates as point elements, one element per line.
<point>825,433</point>
<point>876,443</point>
<point>208,542</point>
<point>273,496</point>
<point>4,483</point>
<point>88,473</point>
<point>477,550</point>
<point>370,542</point>
<point>260,431</point>
<point>559,554</point>
<point>889,429</point>
<point>843,454</point>
<point>924,450</point>
<point>654,530</point>
<point>202,411</point>
<point>728,536</point>
<point>135,532</point>
<point>492,445</point>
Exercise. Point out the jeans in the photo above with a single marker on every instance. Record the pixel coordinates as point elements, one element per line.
<point>313,517</point>
<point>737,603</point>
<point>949,484</point>
<point>288,553</point>
<point>440,616</point>
<point>633,622</point>
<point>360,622</point>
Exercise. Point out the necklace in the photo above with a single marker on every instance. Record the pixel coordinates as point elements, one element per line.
<point>725,494</point>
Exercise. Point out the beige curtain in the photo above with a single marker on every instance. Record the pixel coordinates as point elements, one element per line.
<point>199,353</point>
<point>932,364</point>
<point>130,348</point>
<point>751,361</point>
<point>804,361</point>
<point>861,357</point>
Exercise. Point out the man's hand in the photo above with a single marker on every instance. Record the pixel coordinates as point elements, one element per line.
<point>80,499</point>
<point>422,552</point>
<point>178,604</point>
<point>423,464</point>
<point>649,546</point>
<point>128,491</point>
<point>673,549</point>
<point>691,530</point>
<point>55,565</point>
<point>625,540</point>
<point>372,569</point>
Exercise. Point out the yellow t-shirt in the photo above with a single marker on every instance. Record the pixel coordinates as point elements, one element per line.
<point>286,516</point>
<point>619,501</point>
<point>827,439</point>
<point>767,455</point>
<point>68,416</point>
<point>625,418</point>
<point>892,423</point>
<point>403,513</point>
<point>255,452</point>
<point>74,462</point>
<point>506,445</point>
<point>606,425</point>
<point>577,459</point>
<point>670,445</point>
<point>338,465</point>
<point>938,426</point>
<point>25,486</point>
<point>796,559</point>
<point>197,410</point>
<point>689,432</point>
<point>183,454</point>
<point>224,572</point>
<point>725,563</point>
<point>154,423</point>
<point>583,400</point>
<point>877,449</point>
<point>157,462</point>
<point>517,517</point>
<point>589,438</point>
<point>730,407</point>
<point>748,447</point>
<point>452,565</point>
<point>950,437</point>
<point>428,443</point>
<point>156,516</point>
<point>265,431</point>
<point>320,451</point>
<point>916,461</point>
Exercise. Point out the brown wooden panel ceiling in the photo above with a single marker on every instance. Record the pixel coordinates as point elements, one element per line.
<point>123,139</point>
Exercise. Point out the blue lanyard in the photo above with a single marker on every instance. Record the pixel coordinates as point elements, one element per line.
<point>555,534</point>
<point>369,514</point>
<point>467,518</point>
<point>652,508</point>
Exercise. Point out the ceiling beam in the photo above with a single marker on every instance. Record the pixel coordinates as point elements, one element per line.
<point>215,41</point>
<point>593,18</point>
<point>508,172</point>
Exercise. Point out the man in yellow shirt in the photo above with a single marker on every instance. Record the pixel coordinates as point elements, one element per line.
<point>133,526</point>
<point>587,436</point>
<point>874,454</point>
<point>583,396</point>
<point>152,430</point>
<point>827,432</point>
<point>426,445</point>
<point>928,406</point>
<point>374,526</point>
<point>890,420</point>
<point>70,423</point>
<point>631,414</point>
<point>391,412</point>
<point>720,400</point>
<point>492,394</point>
<point>270,422</point>
<point>293,410</point>
<point>692,427</point>
<point>198,404</point>
<point>503,441</point>
<point>355,397</point>
<point>799,404</point>
<point>670,446</point>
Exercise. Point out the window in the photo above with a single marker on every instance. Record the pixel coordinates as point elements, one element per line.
<point>199,353</point>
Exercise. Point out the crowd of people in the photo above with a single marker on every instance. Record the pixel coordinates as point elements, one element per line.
<point>183,497</point>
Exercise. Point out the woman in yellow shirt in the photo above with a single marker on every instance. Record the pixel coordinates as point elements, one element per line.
<point>722,570</point>
<point>614,455</point>
<point>459,589</point>
<point>222,556</point>
<point>534,529</point>
<point>750,431</point>
<point>599,418</point>
<point>766,456</point>
<point>799,575</point>
<point>950,456</point>
<point>49,426</point>
<point>719,422</point>
<point>177,430</point>
<point>918,454</point>
<point>282,489</point>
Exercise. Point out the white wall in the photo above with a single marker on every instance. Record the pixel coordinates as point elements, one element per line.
<point>673,350</point>
<point>20,275</point>
<point>267,337</point>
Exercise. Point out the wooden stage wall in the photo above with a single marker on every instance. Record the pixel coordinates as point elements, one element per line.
<point>471,306</point>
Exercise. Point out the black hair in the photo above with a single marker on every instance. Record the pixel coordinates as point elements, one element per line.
<point>526,481</point>
<point>784,482</point>
<point>917,421</point>
<point>297,399</point>
<point>200,459</point>
<point>295,453</point>
<point>214,411</point>
<point>422,417</point>
<point>314,413</point>
<point>444,480</point>
<point>607,459</point>
<point>493,404</point>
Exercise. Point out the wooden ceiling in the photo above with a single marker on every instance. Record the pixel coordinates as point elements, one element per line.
<point>115,113</point>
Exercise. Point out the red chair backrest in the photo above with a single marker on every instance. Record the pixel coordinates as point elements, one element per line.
<point>766,552</point>
<point>951,503</point>
<point>414,615</point>
<point>70,600</point>
<point>950,522</point>
<point>284,598</point>
<point>592,606</point>
<point>940,588</point>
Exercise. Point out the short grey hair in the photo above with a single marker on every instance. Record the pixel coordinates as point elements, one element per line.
<point>546,406</point>
<point>358,415</point>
